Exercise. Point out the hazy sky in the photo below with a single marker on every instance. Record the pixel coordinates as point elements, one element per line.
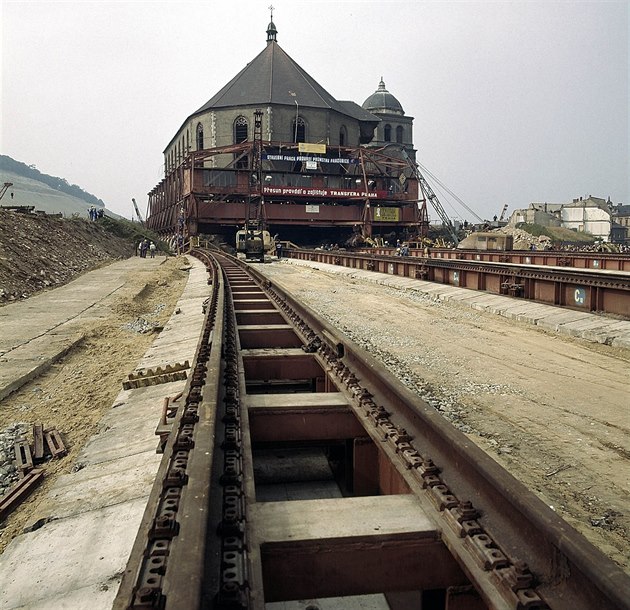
<point>513,102</point>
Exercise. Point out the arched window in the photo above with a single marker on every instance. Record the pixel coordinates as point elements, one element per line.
<point>399,134</point>
<point>388,133</point>
<point>199,136</point>
<point>240,130</point>
<point>299,130</point>
<point>343,136</point>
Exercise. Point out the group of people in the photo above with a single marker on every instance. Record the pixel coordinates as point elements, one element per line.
<point>144,246</point>
<point>402,249</point>
<point>94,213</point>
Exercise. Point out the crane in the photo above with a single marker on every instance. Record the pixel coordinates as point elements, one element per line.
<point>4,188</point>
<point>135,205</point>
<point>433,200</point>
<point>503,211</point>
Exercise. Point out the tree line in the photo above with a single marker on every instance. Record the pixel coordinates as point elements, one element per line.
<point>59,184</point>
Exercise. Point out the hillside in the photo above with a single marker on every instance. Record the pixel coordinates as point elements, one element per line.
<point>45,193</point>
<point>39,252</point>
<point>7,164</point>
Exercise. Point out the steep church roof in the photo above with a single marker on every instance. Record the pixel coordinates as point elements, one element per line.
<point>272,77</point>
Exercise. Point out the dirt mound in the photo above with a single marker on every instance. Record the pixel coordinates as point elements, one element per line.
<point>39,251</point>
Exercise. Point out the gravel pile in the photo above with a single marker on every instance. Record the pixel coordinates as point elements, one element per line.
<point>8,437</point>
<point>524,240</point>
<point>143,325</point>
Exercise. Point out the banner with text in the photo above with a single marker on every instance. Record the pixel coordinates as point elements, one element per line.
<point>300,191</point>
<point>304,158</point>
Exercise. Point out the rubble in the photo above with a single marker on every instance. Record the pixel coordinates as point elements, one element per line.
<point>8,437</point>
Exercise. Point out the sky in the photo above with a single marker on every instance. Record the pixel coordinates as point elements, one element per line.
<point>513,102</point>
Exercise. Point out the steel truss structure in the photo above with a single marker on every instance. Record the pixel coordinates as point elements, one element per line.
<point>368,190</point>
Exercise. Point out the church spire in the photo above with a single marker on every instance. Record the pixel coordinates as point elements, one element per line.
<point>271,29</point>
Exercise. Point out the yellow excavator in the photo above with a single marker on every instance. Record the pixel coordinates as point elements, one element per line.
<point>253,242</point>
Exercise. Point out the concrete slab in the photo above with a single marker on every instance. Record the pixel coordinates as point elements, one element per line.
<point>588,323</point>
<point>129,428</point>
<point>404,283</point>
<point>318,400</point>
<point>534,313</point>
<point>97,596</point>
<point>622,340</point>
<point>526,311</point>
<point>69,555</point>
<point>561,317</point>
<point>101,485</point>
<point>27,350</point>
<point>439,291</point>
<point>356,518</point>
<point>27,362</point>
<point>605,334</point>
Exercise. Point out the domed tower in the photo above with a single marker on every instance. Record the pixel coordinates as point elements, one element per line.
<point>395,127</point>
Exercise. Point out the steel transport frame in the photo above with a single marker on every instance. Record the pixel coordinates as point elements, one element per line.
<point>205,542</point>
<point>212,190</point>
<point>591,290</point>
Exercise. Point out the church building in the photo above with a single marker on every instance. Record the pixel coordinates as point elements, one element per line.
<point>274,146</point>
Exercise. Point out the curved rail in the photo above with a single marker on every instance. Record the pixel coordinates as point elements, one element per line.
<point>270,373</point>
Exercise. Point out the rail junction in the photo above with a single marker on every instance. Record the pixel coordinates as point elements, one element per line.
<point>421,514</point>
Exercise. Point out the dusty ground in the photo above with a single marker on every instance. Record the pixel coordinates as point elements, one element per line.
<point>76,392</point>
<point>39,252</point>
<point>554,411</point>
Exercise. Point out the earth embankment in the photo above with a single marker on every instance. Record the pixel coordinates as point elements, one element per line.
<point>39,251</point>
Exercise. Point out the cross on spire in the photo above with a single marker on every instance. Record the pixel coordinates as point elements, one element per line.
<point>271,28</point>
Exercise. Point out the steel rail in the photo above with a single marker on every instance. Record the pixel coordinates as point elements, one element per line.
<point>559,258</point>
<point>504,518</point>
<point>196,547</point>
<point>168,555</point>
<point>601,290</point>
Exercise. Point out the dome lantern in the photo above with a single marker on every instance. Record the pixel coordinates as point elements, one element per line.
<point>383,102</point>
<point>272,32</point>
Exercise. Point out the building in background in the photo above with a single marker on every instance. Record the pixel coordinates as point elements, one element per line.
<point>621,224</point>
<point>592,215</point>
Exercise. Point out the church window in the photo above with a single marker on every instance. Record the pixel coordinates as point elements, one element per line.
<point>388,133</point>
<point>240,130</point>
<point>399,134</point>
<point>343,136</point>
<point>299,130</point>
<point>199,136</point>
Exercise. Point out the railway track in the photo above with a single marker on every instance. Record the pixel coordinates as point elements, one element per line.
<point>586,289</point>
<point>554,258</point>
<point>241,514</point>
